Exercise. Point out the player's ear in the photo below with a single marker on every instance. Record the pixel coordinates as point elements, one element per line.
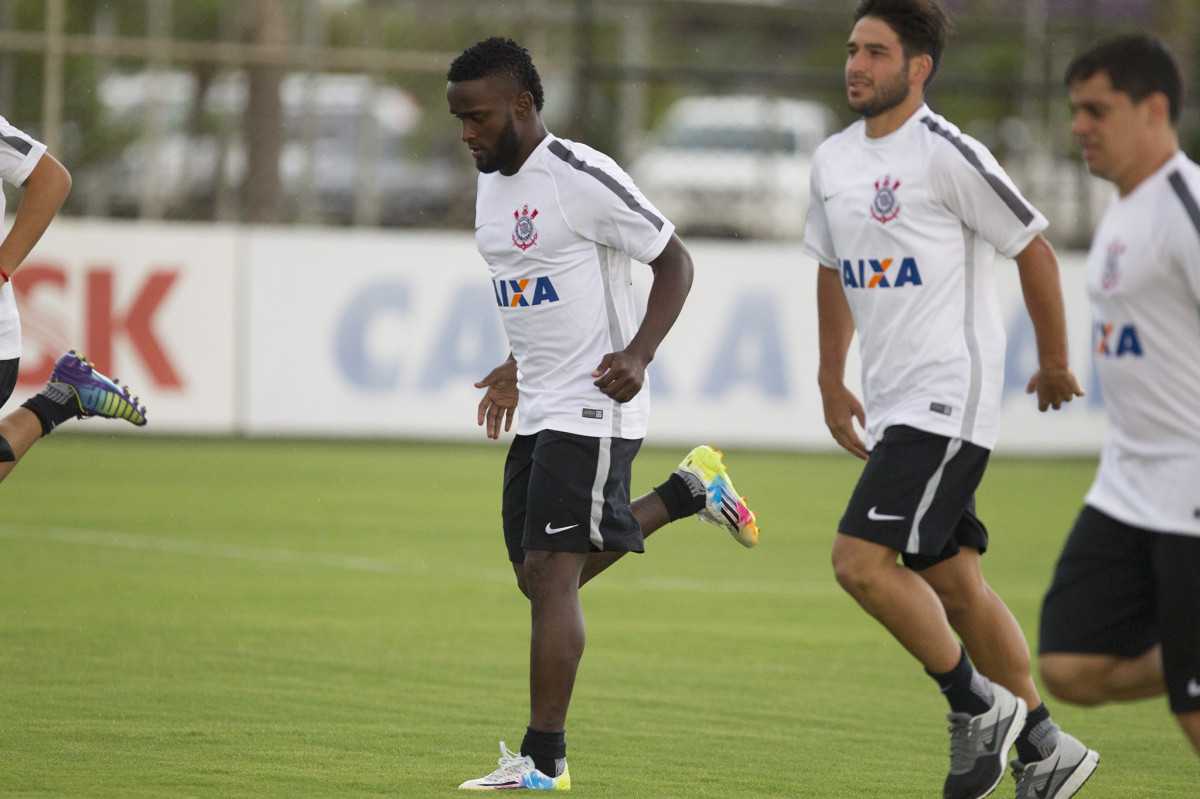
<point>523,105</point>
<point>920,69</point>
<point>1159,107</point>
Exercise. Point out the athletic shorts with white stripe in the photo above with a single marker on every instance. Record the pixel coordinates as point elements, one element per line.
<point>917,495</point>
<point>8,378</point>
<point>569,493</point>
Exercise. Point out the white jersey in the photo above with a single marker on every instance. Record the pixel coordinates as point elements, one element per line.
<point>558,238</point>
<point>912,221</point>
<point>18,155</point>
<point>1143,280</point>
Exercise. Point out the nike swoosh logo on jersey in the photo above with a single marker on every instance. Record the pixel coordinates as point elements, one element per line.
<point>553,530</point>
<point>874,515</point>
<point>1193,687</point>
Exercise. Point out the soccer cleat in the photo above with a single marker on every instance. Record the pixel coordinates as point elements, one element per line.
<point>723,506</point>
<point>92,392</point>
<point>1058,776</point>
<point>517,771</point>
<point>979,745</point>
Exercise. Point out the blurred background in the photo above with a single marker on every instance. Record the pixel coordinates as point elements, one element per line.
<point>273,191</point>
<point>332,112</point>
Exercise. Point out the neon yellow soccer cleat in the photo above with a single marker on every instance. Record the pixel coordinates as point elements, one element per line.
<point>723,506</point>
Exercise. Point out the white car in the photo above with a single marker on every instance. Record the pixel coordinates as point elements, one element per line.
<point>734,165</point>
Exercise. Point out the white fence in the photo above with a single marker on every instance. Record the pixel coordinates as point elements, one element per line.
<point>319,332</point>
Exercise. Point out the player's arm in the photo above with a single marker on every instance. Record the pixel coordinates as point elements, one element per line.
<point>620,374</point>
<point>499,403</point>
<point>835,326</point>
<point>1053,382</point>
<point>45,190</point>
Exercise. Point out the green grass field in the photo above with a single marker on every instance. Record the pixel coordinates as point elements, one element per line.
<point>280,618</point>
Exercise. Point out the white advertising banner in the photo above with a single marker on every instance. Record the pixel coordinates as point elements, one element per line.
<point>367,333</point>
<point>153,305</point>
<point>382,334</point>
<point>321,332</point>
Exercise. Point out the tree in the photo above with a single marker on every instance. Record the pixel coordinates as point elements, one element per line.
<point>262,192</point>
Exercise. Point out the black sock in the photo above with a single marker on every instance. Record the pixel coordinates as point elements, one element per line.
<point>683,494</point>
<point>1038,737</point>
<point>548,750</point>
<point>965,689</point>
<point>52,406</point>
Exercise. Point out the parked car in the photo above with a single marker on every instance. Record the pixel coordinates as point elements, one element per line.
<point>734,165</point>
<point>347,147</point>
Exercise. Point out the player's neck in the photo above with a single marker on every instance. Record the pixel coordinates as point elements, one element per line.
<point>528,145</point>
<point>894,118</point>
<point>1153,161</point>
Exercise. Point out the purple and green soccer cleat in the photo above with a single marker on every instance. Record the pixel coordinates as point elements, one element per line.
<point>94,393</point>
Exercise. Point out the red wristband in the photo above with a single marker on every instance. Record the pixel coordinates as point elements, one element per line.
<point>4,275</point>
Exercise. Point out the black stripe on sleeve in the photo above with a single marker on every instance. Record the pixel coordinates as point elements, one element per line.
<point>560,150</point>
<point>1185,197</point>
<point>1022,211</point>
<point>18,143</point>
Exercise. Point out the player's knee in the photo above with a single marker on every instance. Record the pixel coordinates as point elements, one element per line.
<point>6,451</point>
<point>855,566</point>
<point>1067,681</point>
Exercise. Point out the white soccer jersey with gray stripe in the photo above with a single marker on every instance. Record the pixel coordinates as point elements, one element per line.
<point>18,155</point>
<point>1143,280</point>
<point>913,221</point>
<point>558,237</point>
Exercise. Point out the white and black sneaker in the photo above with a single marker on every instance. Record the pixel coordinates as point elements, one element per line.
<point>517,771</point>
<point>979,745</point>
<point>1058,776</point>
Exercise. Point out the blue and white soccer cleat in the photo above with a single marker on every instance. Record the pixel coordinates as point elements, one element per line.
<point>517,771</point>
<point>93,393</point>
<point>723,506</point>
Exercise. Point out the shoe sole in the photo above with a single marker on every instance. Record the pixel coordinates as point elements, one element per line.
<point>1079,776</point>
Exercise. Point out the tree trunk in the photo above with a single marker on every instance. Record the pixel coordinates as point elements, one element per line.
<point>262,193</point>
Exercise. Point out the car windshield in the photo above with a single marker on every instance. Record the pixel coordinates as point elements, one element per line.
<point>717,137</point>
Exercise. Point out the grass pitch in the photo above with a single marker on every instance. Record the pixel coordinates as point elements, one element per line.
<point>309,618</point>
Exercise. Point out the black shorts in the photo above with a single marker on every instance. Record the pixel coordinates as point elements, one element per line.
<point>569,493</point>
<point>8,379</point>
<point>1119,590</point>
<point>916,495</point>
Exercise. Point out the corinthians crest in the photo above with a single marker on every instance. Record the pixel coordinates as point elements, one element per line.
<point>524,233</point>
<point>886,207</point>
<point>1112,265</point>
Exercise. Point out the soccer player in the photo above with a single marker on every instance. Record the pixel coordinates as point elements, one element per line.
<point>75,388</point>
<point>559,225</point>
<point>907,214</point>
<point>1121,619</point>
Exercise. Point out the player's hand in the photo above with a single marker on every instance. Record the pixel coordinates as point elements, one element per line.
<point>1054,387</point>
<point>500,401</point>
<point>620,375</point>
<point>842,408</point>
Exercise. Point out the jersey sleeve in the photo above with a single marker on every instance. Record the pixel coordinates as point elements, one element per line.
<point>602,204</point>
<point>818,240</point>
<point>19,153</point>
<point>1185,236</point>
<point>969,180</point>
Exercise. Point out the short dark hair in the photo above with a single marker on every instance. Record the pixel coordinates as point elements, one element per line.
<point>498,56</point>
<point>922,26</point>
<point>1137,65</point>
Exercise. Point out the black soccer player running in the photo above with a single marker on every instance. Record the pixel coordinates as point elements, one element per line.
<point>559,225</point>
